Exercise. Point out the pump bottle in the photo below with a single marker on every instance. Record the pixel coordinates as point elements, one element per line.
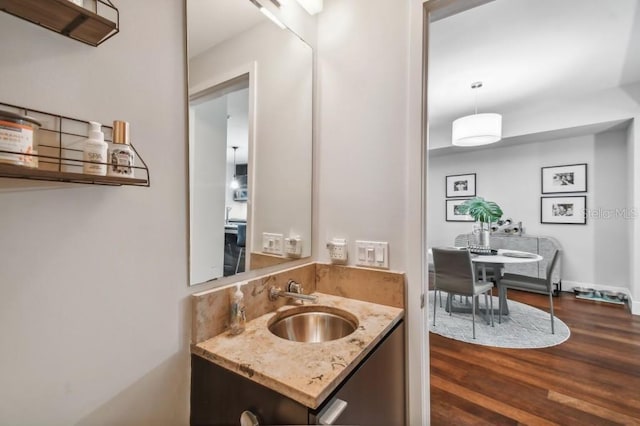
<point>95,151</point>
<point>238,319</point>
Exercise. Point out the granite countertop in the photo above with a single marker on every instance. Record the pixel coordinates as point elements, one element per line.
<point>304,372</point>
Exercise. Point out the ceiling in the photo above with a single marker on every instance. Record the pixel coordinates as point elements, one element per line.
<point>524,51</point>
<point>207,26</point>
<point>530,51</point>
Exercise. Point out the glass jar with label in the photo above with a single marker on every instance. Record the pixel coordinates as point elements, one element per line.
<point>17,136</point>
<point>121,156</point>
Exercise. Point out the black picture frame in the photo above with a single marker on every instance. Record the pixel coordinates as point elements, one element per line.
<point>450,211</point>
<point>564,179</point>
<point>461,186</point>
<point>242,193</point>
<point>569,210</point>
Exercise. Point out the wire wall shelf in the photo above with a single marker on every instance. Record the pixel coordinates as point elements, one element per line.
<point>59,158</point>
<point>93,23</point>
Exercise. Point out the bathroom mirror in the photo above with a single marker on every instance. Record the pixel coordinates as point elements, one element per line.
<point>250,140</point>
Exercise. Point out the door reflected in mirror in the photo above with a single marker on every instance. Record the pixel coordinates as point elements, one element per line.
<point>250,140</point>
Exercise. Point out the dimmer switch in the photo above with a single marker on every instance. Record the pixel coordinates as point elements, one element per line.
<point>373,254</point>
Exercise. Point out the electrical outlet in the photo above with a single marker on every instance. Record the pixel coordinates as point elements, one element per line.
<point>293,246</point>
<point>338,252</point>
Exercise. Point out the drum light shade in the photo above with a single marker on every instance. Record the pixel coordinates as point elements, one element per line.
<point>477,129</point>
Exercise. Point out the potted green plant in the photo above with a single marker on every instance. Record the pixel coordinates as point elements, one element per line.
<point>484,213</point>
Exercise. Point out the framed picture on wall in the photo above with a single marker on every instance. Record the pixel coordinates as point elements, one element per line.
<point>241,194</point>
<point>461,185</point>
<point>561,179</point>
<point>564,210</point>
<point>453,211</point>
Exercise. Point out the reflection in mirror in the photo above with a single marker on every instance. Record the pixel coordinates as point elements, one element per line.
<point>250,132</point>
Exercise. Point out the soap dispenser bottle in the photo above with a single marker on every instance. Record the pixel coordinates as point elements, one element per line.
<point>95,151</point>
<point>238,318</point>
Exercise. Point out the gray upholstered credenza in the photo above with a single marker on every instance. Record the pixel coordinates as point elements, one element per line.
<point>542,245</point>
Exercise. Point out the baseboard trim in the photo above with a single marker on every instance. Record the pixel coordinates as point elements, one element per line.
<point>635,306</point>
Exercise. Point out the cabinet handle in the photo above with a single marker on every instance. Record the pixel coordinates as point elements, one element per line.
<point>332,412</point>
<point>247,418</point>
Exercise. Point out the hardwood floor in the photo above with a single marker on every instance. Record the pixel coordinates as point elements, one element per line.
<point>591,379</point>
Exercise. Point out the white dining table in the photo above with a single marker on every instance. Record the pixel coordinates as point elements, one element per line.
<point>497,262</point>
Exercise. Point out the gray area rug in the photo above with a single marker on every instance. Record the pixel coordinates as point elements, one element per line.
<point>525,327</point>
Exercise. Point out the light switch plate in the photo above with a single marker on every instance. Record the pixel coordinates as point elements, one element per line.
<point>373,254</point>
<point>273,243</point>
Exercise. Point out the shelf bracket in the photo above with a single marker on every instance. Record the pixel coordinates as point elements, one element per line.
<point>73,25</point>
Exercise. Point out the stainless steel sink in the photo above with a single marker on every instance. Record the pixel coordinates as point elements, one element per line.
<point>313,324</point>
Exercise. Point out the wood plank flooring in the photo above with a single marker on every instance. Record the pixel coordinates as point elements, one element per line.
<point>591,379</point>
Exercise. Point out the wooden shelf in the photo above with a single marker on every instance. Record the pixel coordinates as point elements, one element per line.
<point>22,172</point>
<point>67,19</point>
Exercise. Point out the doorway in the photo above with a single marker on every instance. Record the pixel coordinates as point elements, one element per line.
<point>219,158</point>
<point>554,114</point>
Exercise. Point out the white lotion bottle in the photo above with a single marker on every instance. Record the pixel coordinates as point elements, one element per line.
<point>238,320</point>
<point>121,155</point>
<point>94,153</point>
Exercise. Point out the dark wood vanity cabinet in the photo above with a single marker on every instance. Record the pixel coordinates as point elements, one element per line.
<point>374,393</point>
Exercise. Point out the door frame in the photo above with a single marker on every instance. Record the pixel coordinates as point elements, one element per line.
<point>422,12</point>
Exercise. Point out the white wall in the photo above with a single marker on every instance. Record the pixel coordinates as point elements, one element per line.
<point>609,204</point>
<point>367,153</point>
<point>208,154</point>
<point>361,148</point>
<point>633,228</point>
<point>94,315</point>
<point>280,168</point>
<point>510,176</point>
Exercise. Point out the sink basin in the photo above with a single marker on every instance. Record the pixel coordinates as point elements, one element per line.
<point>313,324</point>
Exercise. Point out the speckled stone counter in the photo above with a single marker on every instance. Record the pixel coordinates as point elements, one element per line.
<point>304,372</point>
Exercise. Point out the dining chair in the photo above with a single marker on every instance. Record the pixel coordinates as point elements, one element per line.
<point>542,285</point>
<point>456,274</point>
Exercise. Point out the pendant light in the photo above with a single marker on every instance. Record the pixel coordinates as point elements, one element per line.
<point>234,183</point>
<point>476,129</point>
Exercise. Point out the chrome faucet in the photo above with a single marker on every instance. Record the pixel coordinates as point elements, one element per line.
<point>294,291</point>
<point>226,216</point>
